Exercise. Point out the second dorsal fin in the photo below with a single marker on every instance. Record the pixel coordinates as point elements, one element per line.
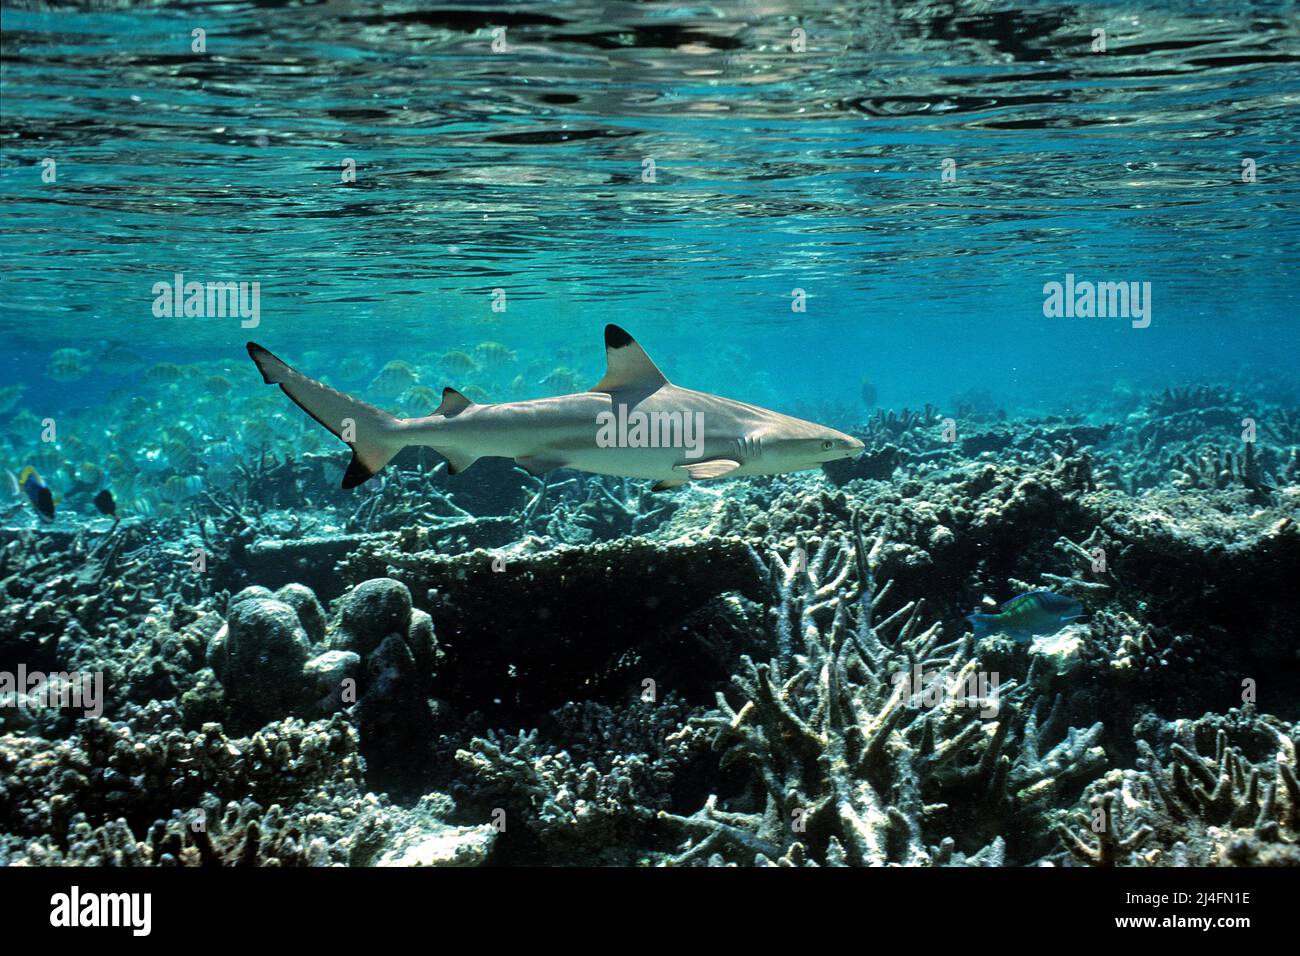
<point>453,403</point>
<point>628,365</point>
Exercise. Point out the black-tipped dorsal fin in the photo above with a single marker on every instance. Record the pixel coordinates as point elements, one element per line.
<point>628,365</point>
<point>453,403</point>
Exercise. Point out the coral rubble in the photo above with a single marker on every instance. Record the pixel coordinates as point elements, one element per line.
<point>497,668</point>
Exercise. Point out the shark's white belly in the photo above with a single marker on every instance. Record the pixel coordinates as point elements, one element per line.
<point>656,463</point>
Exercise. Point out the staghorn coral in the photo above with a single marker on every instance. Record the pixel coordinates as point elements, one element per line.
<point>1214,469</point>
<point>1191,398</point>
<point>358,830</point>
<point>143,768</point>
<point>107,605</point>
<point>129,765</point>
<point>613,508</point>
<point>584,794</point>
<point>888,423</point>
<point>847,761</point>
<point>1282,425</point>
<point>1236,806</point>
<point>878,463</point>
<point>1108,848</point>
<point>1179,439</point>
<point>144,792</point>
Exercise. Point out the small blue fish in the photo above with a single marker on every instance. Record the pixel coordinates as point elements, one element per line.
<point>1028,615</point>
<point>41,497</point>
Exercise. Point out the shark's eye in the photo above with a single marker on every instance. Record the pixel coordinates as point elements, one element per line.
<point>827,445</point>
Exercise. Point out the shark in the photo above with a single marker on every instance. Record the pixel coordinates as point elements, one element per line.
<point>633,423</point>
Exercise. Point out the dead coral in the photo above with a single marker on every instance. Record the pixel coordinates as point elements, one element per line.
<point>86,603</point>
<point>145,766</point>
<point>590,791</point>
<point>843,752</point>
<point>1192,398</point>
<point>1108,849</point>
<point>1212,468</point>
<point>1239,805</point>
<point>523,629</point>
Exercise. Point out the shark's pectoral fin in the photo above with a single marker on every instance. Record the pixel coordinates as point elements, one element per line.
<point>667,483</point>
<point>457,461</point>
<point>537,466</point>
<point>701,471</point>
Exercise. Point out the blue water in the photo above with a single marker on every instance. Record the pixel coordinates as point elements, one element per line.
<point>774,171</point>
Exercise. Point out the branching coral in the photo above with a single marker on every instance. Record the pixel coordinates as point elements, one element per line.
<point>1107,849</point>
<point>1192,398</point>
<point>594,508</point>
<point>617,766</point>
<point>856,729</point>
<point>846,734</point>
<point>1212,468</point>
<point>1201,809</point>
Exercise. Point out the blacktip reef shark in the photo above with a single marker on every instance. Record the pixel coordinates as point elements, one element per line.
<point>633,423</point>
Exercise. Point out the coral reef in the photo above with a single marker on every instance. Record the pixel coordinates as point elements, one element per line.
<point>590,801</point>
<point>864,741</point>
<point>1236,805</point>
<point>495,668</point>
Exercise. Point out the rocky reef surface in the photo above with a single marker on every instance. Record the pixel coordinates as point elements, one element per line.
<point>497,669</point>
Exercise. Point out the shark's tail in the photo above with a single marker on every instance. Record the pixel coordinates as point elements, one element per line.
<point>374,434</point>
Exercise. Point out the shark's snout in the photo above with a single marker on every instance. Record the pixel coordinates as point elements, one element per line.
<point>838,445</point>
<point>846,446</point>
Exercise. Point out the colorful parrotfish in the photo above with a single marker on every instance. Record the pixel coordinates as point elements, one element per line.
<point>1028,615</point>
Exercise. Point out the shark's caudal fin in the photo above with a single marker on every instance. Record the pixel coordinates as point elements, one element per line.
<point>375,435</point>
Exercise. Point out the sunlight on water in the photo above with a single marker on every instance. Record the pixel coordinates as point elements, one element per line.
<point>773,170</point>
